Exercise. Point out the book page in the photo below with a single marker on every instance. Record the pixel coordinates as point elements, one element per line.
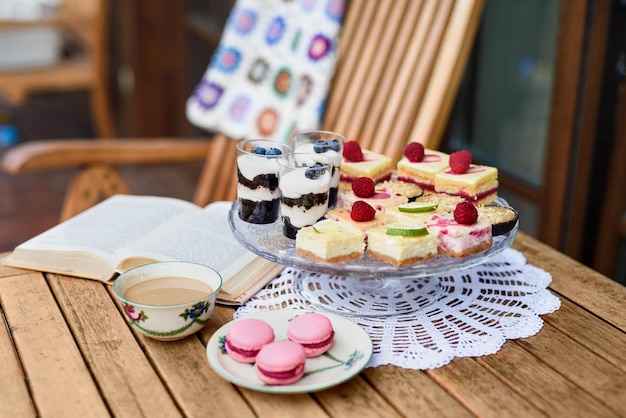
<point>204,238</point>
<point>107,229</point>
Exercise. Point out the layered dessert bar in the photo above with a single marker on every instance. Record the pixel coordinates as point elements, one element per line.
<point>423,172</point>
<point>410,190</point>
<point>358,162</point>
<point>304,198</point>
<point>459,240</point>
<point>417,218</point>
<point>389,193</point>
<point>331,241</point>
<point>479,184</point>
<point>502,219</point>
<point>444,202</point>
<point>344,214</point>
<point>380,200</point>
<point>401,248</point>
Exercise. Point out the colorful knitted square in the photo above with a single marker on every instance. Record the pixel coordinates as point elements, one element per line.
<point>270,74</point>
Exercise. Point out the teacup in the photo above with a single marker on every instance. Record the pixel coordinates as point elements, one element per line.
<point>168,300</point>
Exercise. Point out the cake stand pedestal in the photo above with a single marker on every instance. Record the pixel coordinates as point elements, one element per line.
<point>368,297</point>
<point>365,287</point>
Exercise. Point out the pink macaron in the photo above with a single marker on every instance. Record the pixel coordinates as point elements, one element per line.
<point>246,337</point>
<point>313,331</point>
<point>280,363</point>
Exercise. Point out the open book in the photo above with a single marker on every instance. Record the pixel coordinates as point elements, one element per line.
<point>126,231</point>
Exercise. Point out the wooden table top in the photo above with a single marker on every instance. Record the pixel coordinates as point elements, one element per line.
<point>66,350</point>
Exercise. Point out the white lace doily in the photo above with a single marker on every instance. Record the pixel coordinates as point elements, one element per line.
<point>479,309</point>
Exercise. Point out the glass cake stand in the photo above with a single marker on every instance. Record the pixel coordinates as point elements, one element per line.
<point>365,287</point>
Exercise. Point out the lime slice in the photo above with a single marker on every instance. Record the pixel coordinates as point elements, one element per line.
<point>415,207</point>
<point>407,231</point>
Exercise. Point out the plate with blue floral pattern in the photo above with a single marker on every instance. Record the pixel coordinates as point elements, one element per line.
<point>350,352</point>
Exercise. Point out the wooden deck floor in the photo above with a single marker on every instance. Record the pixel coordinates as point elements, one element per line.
<point>31,203</point>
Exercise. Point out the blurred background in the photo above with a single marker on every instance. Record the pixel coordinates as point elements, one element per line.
<point>542,99</point>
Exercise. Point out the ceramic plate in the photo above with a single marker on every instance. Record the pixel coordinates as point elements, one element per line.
<point>351,351</point>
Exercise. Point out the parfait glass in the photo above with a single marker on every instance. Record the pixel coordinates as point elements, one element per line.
<point>304,184</point>
<point>323,143</point>
<point>258,193</point>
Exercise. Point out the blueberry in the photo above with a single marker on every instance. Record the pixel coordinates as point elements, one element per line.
<point>320,146</point>
<point>335,145</point>
<point>315,171</point>
<point>259,150</point>
<point>311,173</point>
<point>273,152</point>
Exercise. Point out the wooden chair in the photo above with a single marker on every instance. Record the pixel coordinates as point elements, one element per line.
<point>611,229</point>
<point>399,66</point>
<point>84,22</point>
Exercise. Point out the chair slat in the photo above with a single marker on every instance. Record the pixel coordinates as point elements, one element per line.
<point>390,84</point>
<point>455,50</point>
<point>431,29</point>
<point>206,191</point>
<point>365,75</point>
<point>360,14</point>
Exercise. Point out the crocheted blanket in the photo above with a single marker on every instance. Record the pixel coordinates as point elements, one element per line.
<point>270,74</point>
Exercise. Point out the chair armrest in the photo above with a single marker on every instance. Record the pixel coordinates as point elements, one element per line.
<point>54,154</point>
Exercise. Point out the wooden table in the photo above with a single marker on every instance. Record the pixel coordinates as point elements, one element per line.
<point>67,351</point>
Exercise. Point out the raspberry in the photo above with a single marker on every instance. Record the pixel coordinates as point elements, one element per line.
<point>465,213</point>
<point>363,187</point>
<point>460,161</point>
<point>362,211</point>
<point>414,152</point>
<point>352,151</point>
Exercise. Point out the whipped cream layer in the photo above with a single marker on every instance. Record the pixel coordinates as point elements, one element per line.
<point>334,156</point>
<point>295,185</point>
<point>250,167</point>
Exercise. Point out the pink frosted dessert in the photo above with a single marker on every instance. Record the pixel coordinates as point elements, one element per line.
<point>459,240</point>
<point>280,363</point>
<point>313,331</point>
<point>245,339</point>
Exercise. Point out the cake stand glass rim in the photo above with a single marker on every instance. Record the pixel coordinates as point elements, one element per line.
<point>267,241</point>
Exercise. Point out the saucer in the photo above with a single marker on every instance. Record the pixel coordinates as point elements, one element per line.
<point>352,349</point>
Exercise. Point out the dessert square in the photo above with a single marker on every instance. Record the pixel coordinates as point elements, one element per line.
<point>445,202</point>
<point>343,214</point>
<point>400,250</point>
<point>423,173</point>
<point>331,241</point>
<point>459,240</point>
<point>414,219</point>
<point>402,188</point>
<point>478,185</point>
<point>376,166</point>
<point>382,199</point>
